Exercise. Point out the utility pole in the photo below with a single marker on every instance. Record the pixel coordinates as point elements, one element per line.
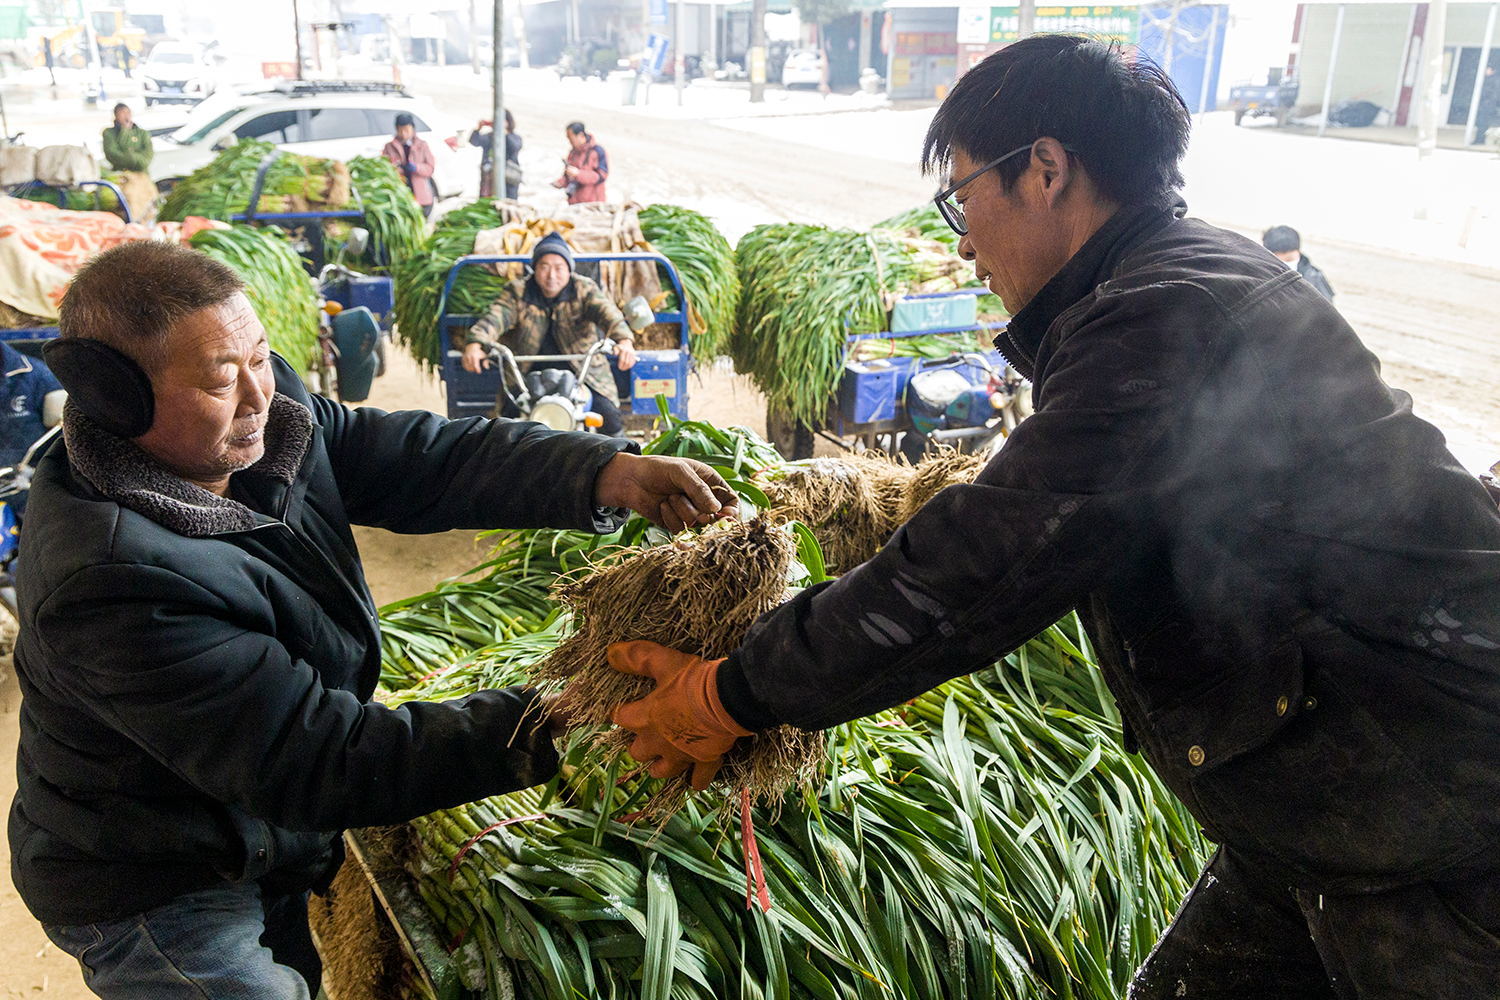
<point>1432,98</point>
<point>1478,91</point>
<point>677,60</point>
<point>497,130</point>
<point>1027,18</point>
<point>473,37</point>
<point>1333,65</point>
<point>1204,96</point>
<point>757,52</point>
<point>297,35</point>
<point>1170,50</point>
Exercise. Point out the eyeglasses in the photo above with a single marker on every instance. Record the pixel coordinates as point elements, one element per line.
<point>951,211</point>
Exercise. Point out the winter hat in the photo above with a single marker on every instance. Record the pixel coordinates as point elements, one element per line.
<point>552,243</point>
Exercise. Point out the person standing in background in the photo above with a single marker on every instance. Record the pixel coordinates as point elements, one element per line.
<point>413,157</point>
<point>127,146</point>
<point>129,149</point>
<point>484,138</point>
<point>1286,244</point>
<point>585,168</point>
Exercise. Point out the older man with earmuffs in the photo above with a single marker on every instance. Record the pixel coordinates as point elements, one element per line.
<point>198,646</point>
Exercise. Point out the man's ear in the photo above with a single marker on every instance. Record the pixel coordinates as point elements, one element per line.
<point>1056,169</point>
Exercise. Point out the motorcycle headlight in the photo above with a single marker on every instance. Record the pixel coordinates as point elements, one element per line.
<point>554,412</point>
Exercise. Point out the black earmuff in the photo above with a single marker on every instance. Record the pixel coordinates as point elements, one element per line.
<point>109,387</point>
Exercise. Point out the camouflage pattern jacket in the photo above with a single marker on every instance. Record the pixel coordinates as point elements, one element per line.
<point>521,317</point>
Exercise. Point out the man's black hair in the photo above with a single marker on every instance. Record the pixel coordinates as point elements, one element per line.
<point>577,128</point>
<point>1123,117</point>
<point>122,104</point>
<point>1281,239</point>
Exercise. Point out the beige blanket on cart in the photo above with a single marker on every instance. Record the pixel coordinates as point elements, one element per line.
<point>42,246</point>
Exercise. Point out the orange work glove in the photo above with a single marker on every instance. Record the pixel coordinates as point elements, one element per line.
<point>682,724</point>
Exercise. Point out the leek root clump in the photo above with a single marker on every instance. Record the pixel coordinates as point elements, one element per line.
<point>699,595</point>
<point>854,503</point>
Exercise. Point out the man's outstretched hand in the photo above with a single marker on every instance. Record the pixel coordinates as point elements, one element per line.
<point>681,724</point>
<point>672,493</point>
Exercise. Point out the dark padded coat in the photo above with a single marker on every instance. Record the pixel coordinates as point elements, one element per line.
<point>197,670</point>
<point>1292,587</point>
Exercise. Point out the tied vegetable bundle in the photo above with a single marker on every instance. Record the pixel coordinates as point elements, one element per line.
<point>419,280</point>
<point>925,223</point>
<point>278,288</point>
<point>803,290</point>
<point>295,183</point>
<point>990,839</point>
<point>806,289</point>
<point>292,183</point>
<point>699,595</point>
<point>392,214</point>
<point>705,263</point>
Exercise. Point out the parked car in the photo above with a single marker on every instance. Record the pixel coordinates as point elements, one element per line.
<point>1276,98</point>
<point>334,119</point>
<point>803,68</point>
<point>178,73</point>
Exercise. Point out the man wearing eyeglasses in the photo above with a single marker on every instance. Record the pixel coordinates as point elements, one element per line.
<point>1292,587</point>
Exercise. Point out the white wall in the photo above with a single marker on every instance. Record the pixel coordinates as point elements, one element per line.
<point>1370,53</point>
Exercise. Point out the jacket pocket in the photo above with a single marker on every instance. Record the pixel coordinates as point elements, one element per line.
<point>1237,713</point>
<point>1297,771</point>
<point>298,858</point>
<point>257,850</point>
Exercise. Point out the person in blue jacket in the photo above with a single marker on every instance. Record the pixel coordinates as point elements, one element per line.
<point>31,401</point>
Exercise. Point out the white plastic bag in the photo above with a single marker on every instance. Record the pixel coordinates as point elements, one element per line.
<point>17,164</point>
<point>61,166</point>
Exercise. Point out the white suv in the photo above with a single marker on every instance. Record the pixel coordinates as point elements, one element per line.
<point>335,120</point>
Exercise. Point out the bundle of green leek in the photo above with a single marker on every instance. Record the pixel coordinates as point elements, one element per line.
<point>806,289</point>
<point>705,263</point>
<point>280,291</point>
<point>295,183</point>
<point>990,839</point>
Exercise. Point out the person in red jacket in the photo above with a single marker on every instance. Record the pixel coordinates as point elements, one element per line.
<point>413,157</point>
<point>585,169</point>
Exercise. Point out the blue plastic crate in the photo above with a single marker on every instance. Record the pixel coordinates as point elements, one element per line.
<point>867,391</point>
<point>469,395</point>
<point>660,373</point>
<point>374,292</point>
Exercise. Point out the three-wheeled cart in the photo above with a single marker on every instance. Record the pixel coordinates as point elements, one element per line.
<point>967,399</point>
<point>372,291</point>
<point>656,373</point>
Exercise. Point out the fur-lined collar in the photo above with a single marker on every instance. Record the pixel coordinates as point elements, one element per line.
<point>127,475</point>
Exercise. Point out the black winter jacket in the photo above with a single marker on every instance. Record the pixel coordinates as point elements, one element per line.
<point>1292,587</point>
<point>196,671</point>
